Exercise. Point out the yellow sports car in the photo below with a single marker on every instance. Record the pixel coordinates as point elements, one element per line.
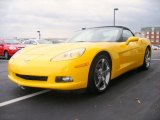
<point>90,59</point>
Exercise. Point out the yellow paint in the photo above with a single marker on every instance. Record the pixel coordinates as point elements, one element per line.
<point>36,61</point>
<point>82,65</point>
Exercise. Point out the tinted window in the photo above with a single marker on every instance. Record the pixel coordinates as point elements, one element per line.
<point>33,42</point>
<point>11,41</point>
<point>27,42</point>
<point>126,34</point>
<point>108,34</point>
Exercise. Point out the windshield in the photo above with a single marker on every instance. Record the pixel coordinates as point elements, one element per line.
<point>44,42</point>
<point>108,34</point>
<point>11,41</point>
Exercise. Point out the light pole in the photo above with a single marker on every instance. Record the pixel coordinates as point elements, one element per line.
<point>39,34</point>
<point>114,16</point>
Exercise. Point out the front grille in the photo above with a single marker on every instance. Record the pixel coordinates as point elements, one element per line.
<point>30,77</point>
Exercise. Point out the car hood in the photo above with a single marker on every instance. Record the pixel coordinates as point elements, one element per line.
<point>46,52</point>
<point>55,49</point>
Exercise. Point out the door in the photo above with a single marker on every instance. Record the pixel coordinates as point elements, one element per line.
<point>1,47</point>
<point>128,53</point>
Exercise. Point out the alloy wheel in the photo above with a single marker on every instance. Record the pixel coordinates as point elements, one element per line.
<point>147,58</point>
<point>102,74</point>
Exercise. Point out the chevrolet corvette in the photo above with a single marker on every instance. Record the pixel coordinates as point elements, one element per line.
<point>90,59</point>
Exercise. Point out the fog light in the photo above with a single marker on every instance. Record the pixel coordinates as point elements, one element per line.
<point>64,79</point>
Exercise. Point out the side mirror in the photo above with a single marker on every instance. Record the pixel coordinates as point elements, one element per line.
<point>131,39</point>
<point>1,44</point>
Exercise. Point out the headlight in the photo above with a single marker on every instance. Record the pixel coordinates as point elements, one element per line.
<point>17,53</point>
<point>72,54</point>
<point>12,48</point>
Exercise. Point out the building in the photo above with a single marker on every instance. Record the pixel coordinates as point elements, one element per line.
<point>153,34</point>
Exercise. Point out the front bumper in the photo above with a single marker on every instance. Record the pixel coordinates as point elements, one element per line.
<point>77,69</point>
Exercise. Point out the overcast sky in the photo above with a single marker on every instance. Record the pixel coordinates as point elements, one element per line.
<point>60,18</point>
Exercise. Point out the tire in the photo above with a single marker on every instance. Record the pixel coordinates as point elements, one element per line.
<point>147,59</point>
<point>99,74</point>
<point>6,55</point>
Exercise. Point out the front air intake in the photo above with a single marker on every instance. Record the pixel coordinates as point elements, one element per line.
<point>31,77</point>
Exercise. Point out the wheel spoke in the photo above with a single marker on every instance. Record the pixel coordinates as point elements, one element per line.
<point>103,63</point>
<point>98,66</point>
<point>106,71</point>
<point>99,82</point>
<point>148,54</point>
<point>148,59</point>
<point>104,80</point>
<point>97,71</point>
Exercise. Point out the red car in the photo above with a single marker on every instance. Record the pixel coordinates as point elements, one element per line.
<point>9,46</point>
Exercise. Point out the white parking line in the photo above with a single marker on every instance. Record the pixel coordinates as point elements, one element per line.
<point>156,59</point>
<point>23,98</point>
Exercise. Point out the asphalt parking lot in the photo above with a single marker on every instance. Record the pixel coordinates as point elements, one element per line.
<point>132,96</point>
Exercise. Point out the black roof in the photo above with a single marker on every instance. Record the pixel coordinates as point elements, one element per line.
<point>107,26</point>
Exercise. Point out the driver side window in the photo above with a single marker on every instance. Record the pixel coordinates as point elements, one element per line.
<point>126,34</point>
